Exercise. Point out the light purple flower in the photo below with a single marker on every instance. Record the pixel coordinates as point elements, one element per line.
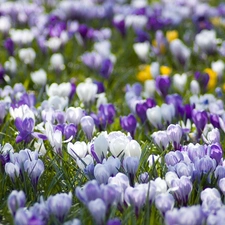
<point>16,200</point>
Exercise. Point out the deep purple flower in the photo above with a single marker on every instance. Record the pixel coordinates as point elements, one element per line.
<point>9,46</point>
<point>73,89</point>
<point>141,108</point>
<point>142,36</point>
<point>2,73</point>
<point>202,22</point>
<point>200,119</point>
<point>214,120</point>
<point>163,84</point>
<point>83,31</point>
<point>119,24</point>
<point>70,130</point>
<point>216,152</point>
<point>106,68</point>
<point>202,78</point>
<point>114,222</point>
<point>101,87</point>
<point>106,115</point>
<point>129,123</point>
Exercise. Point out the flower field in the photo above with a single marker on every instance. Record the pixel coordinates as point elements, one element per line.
<point>112,112</point>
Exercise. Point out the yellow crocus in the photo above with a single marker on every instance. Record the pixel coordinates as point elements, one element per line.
<point>144,74</point>
<point>216,21</point>
<point>212,78</point>
<point>165,70</point>
<point>171,35</point>
<point>161,47</point>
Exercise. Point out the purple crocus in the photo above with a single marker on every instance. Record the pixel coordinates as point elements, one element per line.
<point>200,119</point>
<point>59,205</point>
<point>106,68</point>
<point>16,200</point>
<point>87,125</point>
<point>26,130</point>
<point>106,115</point>
<point>9,46</point>
<point>183,187</point>
<point>129,123</point>
<point>70,130</point>
<point>164,202</point>
<point>174,133</point>
<point>141,108</point>
<point>98,209</point>
<point>202,78</point>
<point>163,84</point>
<point>34,168</point>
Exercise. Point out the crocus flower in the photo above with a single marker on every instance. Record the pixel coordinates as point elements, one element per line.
<point>16,200</point>
<point>87,92</point>
<point>129,123</point>
<point>163,84</point>
<point>97,209</point>
<point>200,119</point>
<point>87,124</point>
<point>174,133</point>
<point>161,139</point>
<point>26,130</point>
<point>9,46</point>
<point>77,150</point>
<point>59,205</point>
<point>184,188</point>
<point>164,202</point>
<point>34,168</point>
<point>154,116</point>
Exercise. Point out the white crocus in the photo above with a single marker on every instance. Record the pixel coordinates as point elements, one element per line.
<point>11,65</point>
<point>133,149</point>
<point>39,77</point>
<point>154,116</point>
<point>62,90</point>
<point>206,41</point>
<point>74,115</point>
<point>57,62</point>
<point>179,81</point>
<point>83,162</point>
<point>77,150</point>
<point>142,50</point>
<point>218,67</point>
<point>195,88</point>
<point>118,145</point>
<point>101,146</point>
<point>101,99</point>
<point>57,102</point>
<point>149,88</point>
<point>27,55</point>
<point>87,91</point>
<point>5,24</point>
<point>22,112</point>
<point>168,112</point>
<point>54,43</point>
